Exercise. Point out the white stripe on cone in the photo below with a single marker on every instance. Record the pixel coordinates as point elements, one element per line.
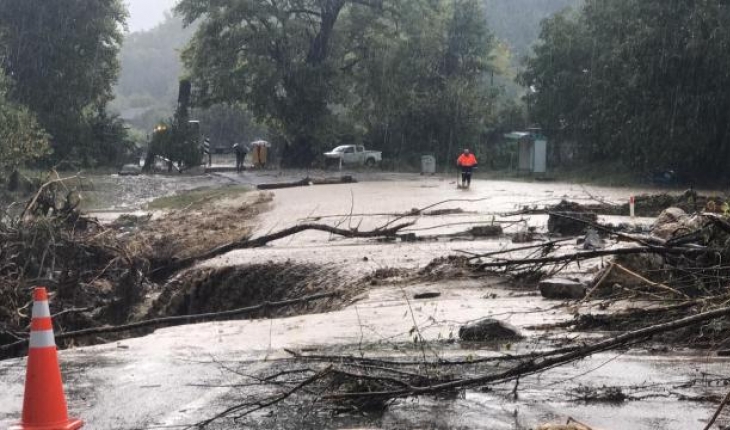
<point>40,310</point>
<point>42,339</point>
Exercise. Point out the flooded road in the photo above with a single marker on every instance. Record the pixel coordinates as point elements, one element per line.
<point>178,376</point>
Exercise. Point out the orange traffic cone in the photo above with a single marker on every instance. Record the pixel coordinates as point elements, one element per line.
<point>44,404</point>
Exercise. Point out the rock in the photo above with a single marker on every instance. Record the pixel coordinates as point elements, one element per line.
<point>592,239</point>
<point>523,237</point>
<point>670,215</point>
<point>673,222</point>
<point>562,289</point>
<point>426,295</point>
<point>488,329</point>
<point>561,222</point>
<point>408,237</point>
<point>486,231</point>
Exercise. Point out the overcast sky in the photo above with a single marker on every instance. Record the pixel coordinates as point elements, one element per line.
<point>145,14</point>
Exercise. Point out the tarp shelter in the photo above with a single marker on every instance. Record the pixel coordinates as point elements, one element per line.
<point>259,152</point>
<point>532,150</point>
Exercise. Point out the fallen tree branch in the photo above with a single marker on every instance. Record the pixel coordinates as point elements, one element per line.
<point>31,204</point>
<point>173,320</point>
<point>367,389</point>
<point>650,282</point>
<point>551,243</point>
<point>260,241</point>
<point>598,283</point>
<point>717,412</point>
<point>587,255</point>
<point>412,213</point>
<point>535,366</point>
<point>255,406</point>
<point>599,227</point>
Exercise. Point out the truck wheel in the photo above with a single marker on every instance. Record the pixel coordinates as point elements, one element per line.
<point>370,162</point>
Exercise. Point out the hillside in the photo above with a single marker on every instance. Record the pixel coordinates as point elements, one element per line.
<point>517,22</point>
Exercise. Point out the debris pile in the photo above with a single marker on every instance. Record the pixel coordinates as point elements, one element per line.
<point>103,277</point>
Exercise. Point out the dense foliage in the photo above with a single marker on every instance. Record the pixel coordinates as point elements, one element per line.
<point>406,76</point>
<point>21,138</point>
<point>62,57</point>
<point>643,82</point>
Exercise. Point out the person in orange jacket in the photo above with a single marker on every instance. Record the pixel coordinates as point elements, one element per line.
<point>467,162</point>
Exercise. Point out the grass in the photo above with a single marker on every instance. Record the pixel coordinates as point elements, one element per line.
<point>196,199</point>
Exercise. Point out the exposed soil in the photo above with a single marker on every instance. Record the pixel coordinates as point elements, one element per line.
<point>215,290</point>
<point>98,274</point>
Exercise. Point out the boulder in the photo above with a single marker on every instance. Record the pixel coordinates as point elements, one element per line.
<point>570,223</point>
<point>673,222</point>
<point>592,240</point>
<point>488,329</point>
<point>669,215</point>
<point>408,237</point>
<point>486,231</point>
<point>562,289</point>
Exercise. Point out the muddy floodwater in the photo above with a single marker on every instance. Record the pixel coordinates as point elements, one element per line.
<point>180,375</point>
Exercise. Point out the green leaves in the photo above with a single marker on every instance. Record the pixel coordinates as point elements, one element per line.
<point>643,82</point>
<point>403,76</point>
<point>62,57</point>
<point>21,138</point>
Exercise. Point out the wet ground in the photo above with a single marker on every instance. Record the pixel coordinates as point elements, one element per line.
<point>178,376</point>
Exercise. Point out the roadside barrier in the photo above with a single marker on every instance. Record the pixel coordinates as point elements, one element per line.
<point>44,402</point>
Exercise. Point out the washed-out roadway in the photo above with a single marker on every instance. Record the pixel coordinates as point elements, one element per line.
<point>176,376</point>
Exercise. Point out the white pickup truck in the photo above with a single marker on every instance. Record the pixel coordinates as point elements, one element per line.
<point>353,155</point>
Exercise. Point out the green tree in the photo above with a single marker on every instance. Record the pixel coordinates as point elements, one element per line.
<point>405,76</point>
<point>21,138</point>
<point>642,82</point>
<point>423,83</point>
<point>276,57</point>
<point>62,56</point>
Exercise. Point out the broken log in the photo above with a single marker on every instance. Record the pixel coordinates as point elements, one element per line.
<point>245,243</point>
<point>307,182</point>
<point>587,255</point>
<point>389,384</point>
<point>537,365</point>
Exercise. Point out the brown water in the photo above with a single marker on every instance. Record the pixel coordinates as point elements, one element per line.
<point>164,379</point>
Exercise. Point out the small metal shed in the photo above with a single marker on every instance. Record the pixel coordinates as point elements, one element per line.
<point>531,149</point>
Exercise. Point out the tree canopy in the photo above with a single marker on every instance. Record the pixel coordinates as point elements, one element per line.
<point>62,58</point>
<point>21,138</point>
<point>644,82</point>
<point>399,74</point>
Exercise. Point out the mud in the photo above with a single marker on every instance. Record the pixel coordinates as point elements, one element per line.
<point>180,375</point>
<point>214,290</point>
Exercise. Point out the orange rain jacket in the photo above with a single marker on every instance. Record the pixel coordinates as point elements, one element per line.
<point>465,160</point>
